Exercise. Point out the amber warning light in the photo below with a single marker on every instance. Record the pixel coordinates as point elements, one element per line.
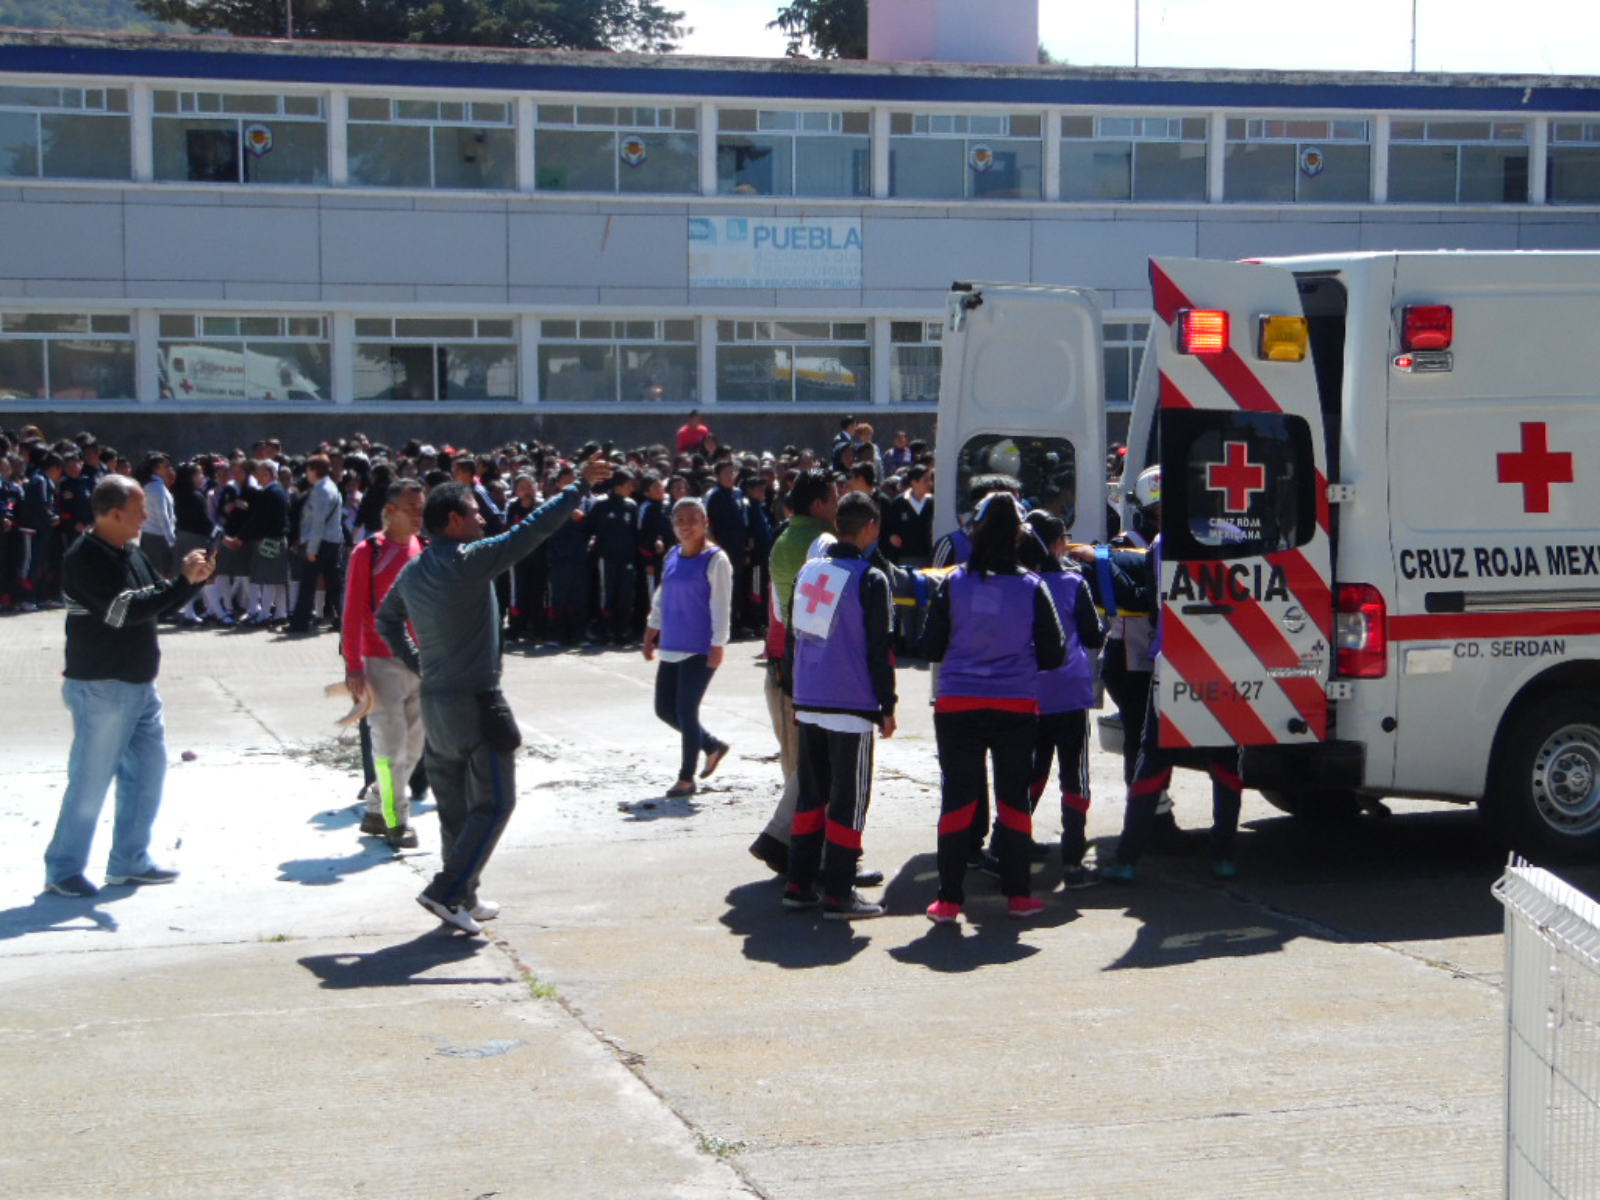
<point>1202,331</point>
<point>1426,327</point>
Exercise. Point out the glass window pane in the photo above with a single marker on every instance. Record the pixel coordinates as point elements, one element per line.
<point>638,331</point>
<point>595,330</point>
<point>111,323</point>
<point>86,147</point>
<point>21,370</point>
<point>850,331</point>
<point>389,156</point>
<point>1260,171</point>
<point>394,372</point>
<point>1494,174</point>
<point>754,375</point>
<point>815,331</point>
<point>577,374</point>
<point>433,327</point>
<point>452,111</point>
<point>1119,381</point>
<point>832,374</point>
<point>678,331</point>
<point>1078,127</point>
<point>19,145</point>
<point>914,375</point>
<point>1574,175</point>
<point>1458,131</point>
<point>1012,172</point>
<point>1345,177</point>
<point>416,110</point>
<point>1194,129</point>
<point>857,122</point>
<point>1422,174</point>
<point>374,327</point>
<point>660,373</point>
<point>213,327</point>
<point>46,323</point>
<point>1412,131</point>
<point>900,123</point>
<point>307,327</point>
<point>575,160</point>
<point>1026,126</point>
<point>1169,171</point>
<point>468,157</point>
<point>1096,170</point>
<point>686,118</point>
<point>288,371</point>
<point>197,150</point>
<point>478,372</point>
<point>368,108</point>
<point>286,152</point>
<point>494,112</point>
<point>594,115</point>
<point>833,166</point>
<point>90,370</point>
<point>558,329</point>
<point>160,101</point>
<point>927,168</point>
<point>302,106</point>
<point>737,120</point>
<point>261,326</point>
<point>905,331</point>
<point>755,166</point>
<point>495,329</point>
<point>172,325</point>
<point>670,163</point>
<point>555,114</point>
<point>250,104</point>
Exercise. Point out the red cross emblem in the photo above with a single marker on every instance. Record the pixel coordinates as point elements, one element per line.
<point>1535,467</point>
<point>1237,477</point>
<point>816,592</point>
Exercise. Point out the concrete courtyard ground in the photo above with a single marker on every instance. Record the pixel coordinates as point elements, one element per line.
<point>646,1021</point>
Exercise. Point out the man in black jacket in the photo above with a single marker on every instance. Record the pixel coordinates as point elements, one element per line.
<point>614,524</point>
<point>115,596</point>
<point>730,528</point>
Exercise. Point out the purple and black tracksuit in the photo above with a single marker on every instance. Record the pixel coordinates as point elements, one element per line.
<point>1065,696</point>
<point>993,634</point>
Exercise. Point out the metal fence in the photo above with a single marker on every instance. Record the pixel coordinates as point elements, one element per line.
<point>1552,990</point>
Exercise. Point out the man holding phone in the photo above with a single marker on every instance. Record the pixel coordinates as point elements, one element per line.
<point>114,597</point>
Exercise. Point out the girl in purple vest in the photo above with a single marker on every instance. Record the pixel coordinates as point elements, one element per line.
<point>689,625</point>
<point>993,627</point>
<point>1067,693</point>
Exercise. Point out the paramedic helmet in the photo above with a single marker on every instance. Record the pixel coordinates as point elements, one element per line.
<point>1147,488</point>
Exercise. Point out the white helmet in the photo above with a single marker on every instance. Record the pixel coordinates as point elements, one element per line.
<point>1147,488</point>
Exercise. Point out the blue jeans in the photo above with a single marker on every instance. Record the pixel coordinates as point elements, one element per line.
<point>680,686</point>
<point>117,733</point>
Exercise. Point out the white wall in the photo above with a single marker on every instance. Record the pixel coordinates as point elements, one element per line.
<point>980,31</point>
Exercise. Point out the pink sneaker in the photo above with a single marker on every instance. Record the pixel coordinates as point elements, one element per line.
<point>1023,907</point>
<point>944,912</point>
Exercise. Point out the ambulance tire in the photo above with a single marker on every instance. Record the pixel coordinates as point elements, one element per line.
<point>1322,805</point>
<point>1544,793</point>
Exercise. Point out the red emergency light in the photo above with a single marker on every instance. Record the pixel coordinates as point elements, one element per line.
<point>1426,327</point>
<point>1202,331</point>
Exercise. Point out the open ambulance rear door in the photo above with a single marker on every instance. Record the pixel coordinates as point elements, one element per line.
<point>1247,609</point>
<point>1022,394</point>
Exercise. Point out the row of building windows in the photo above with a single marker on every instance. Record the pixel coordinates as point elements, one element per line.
<point>265,358</point>
<point>261,138</point>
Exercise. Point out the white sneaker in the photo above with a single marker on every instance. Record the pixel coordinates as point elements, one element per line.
<point>450,914</point>
<point>485,911</point>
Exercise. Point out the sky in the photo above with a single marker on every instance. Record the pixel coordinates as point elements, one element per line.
<point>1546,37</point>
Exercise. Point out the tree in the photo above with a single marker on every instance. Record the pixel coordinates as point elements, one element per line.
<point>527,24</point>
<point>835,28</point>
<point>116,16</point>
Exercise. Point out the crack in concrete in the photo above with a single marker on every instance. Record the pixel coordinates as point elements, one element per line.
<point>634,1063</point>
<point>239,706</point>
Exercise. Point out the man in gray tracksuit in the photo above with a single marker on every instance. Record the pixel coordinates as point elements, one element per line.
<point>453,642</point>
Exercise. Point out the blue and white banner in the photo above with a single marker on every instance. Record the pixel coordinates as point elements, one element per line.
<point>774,252</point>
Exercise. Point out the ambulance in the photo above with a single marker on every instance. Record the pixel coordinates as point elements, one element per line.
<point>1381,515</point>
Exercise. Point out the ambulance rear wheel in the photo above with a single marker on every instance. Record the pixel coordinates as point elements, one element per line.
<point>1545,790</point>
<point>1316,804</point>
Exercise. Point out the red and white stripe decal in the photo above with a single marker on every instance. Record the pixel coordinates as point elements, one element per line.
<point>1428,627</point>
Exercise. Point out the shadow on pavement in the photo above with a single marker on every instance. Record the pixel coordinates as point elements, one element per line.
<point>793,940</point>
<point>324,872</point>
<point>402,965</point>
<point>50,913</point>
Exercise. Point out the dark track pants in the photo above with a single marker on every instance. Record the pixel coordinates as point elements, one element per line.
<point>966,741</point>
<point>326,568</point>
<point>475,789</point>
<point>680,686</point>
<point>1065,736</point>
<point>1130,692</point>
<point>616,597</point>
<point>831,808</point>
<point>1152,775</point>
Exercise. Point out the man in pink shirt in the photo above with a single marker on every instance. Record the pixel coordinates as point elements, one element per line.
<point>396,719</point>
<point>693,433</point>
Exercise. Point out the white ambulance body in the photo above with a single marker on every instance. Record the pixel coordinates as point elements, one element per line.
<point>1381,527</point>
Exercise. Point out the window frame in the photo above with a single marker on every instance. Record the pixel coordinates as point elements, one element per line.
<point>764,331</point>
<point>619,130</point>
<point>1458,144</point>
<point>437,341</point>
<point>468,121</point>
<point>81,109</point>
<point>618,343</point>
<point>202,336</point>
<point>970,139</point>
<point>1301,141</point>
<point>240,120</point>
<point>45,337</point>
<point>837,132</point>
<point>1133,141</point>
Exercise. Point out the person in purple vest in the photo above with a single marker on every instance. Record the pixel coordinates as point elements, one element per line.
<point>1066,694</point>
<point>993,627</point>
<point>842,647</point>
<point>689,620</point>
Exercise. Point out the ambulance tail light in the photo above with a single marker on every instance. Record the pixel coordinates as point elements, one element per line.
<point>1360,631</point>
<point>1202,331</point>
<point>1426,327</point>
